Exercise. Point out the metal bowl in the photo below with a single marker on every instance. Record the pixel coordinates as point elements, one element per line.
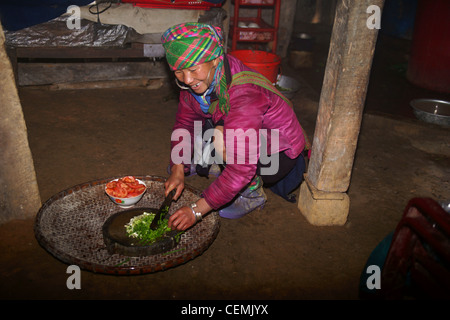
<point>287,86</point>
<point>432,111</point>
<point>445,205</point>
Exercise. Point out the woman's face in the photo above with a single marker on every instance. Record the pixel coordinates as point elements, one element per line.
<point>198,77</point>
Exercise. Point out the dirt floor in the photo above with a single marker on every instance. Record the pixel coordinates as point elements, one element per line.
<point>82,135</point>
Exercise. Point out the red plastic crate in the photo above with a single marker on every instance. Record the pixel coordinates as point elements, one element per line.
<point>173,4</point>
<point>264,32</point>
<point>256,2</point>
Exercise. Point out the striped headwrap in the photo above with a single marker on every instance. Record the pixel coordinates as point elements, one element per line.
<point>190,44</point>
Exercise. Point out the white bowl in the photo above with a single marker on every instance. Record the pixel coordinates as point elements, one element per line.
<point>242,24</point>
<point>127,202</point>
<point>253,25</point>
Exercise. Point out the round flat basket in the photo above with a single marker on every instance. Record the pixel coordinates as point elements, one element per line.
<point>69,226</point>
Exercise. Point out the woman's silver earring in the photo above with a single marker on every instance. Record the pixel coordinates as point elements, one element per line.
<point>180,86</point>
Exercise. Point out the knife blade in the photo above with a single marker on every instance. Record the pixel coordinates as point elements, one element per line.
<point>163,209</point>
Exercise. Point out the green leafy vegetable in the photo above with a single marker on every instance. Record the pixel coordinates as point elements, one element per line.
<point>139,228</point>
<point>178,250</point>
<point>123,262</point>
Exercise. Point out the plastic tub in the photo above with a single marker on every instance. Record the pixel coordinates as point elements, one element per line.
<point>429,64</point>
<point>266,63</point>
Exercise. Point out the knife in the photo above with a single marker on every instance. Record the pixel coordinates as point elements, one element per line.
<point>163,209</point>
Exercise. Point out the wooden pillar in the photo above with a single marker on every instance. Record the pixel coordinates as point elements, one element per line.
<point>323,199</point>
<point>19,193</point>
<point>286,26</point>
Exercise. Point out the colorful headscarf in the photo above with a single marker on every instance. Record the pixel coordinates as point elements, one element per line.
<point>191,44</point>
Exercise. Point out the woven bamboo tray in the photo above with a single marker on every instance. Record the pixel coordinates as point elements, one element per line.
<point>69,226</point>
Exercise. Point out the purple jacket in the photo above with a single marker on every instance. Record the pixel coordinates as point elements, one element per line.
<point>251,107</point>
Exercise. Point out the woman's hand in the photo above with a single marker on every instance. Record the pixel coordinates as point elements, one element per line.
<point>175,181</point>
<point>184,218</point>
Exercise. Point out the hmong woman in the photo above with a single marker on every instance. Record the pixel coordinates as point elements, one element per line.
<point>220,92</point>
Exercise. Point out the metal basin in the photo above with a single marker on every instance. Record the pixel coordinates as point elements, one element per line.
<point>432,111</point>
<point>287,86</point>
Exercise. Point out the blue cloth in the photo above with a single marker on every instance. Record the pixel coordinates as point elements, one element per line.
<point>205,99</point>
<point>20,14</point>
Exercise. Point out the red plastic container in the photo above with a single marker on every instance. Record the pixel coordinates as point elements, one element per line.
<point>256,2</point>
<point>176,4</point>
<point>429,65</point>
<point>266,63</point>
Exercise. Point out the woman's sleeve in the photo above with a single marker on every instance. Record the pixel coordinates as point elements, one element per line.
<point>241,135</point>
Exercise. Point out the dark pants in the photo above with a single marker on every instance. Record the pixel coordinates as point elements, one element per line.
<point>286,164</point>
<point>288,178</point>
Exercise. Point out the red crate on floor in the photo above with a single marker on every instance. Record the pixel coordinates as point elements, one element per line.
<point>256,2</point>
<point>174,4</point>
<point>261,31</point>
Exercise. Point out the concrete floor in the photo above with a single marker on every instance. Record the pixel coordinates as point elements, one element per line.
<point>82,135</point>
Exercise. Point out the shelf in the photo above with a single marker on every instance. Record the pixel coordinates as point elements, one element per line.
<point>256,2</point>
<point>263,33</point>
<point>254,29</point>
